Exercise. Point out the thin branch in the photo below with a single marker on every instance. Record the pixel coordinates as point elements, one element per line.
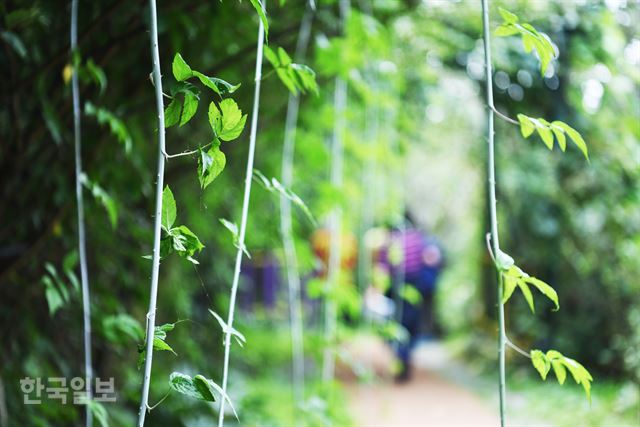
<point>155,269</point>
<point>504,116</point>
<point>516,348</point>
<point>82,247</point>
<point>245,214</point>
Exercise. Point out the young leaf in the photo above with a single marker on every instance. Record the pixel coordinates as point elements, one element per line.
<point>257,5</point>
<point>546,290</point>
<point>183,384</point>
<point>168,208</point>
<point>217,85</point>
<point>160,345</point>
<point>186,243</point>
<point>210,164</point>
<point>239,337</point>
<point>232,120</point>
<point>116,126</point>
<point>548,130</point>
<point>189,108</point>
<point>541,363</point>
<point>172,113</point>
<point>531,38</point>
<point>233,228</point>
<point>103,198</point>
<point>181,70</point>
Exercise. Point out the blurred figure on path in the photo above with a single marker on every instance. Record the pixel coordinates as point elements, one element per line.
<point>414,261</point>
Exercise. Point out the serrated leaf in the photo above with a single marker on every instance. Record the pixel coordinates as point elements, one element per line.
<point>186,243</point>
<point>168,208</point>
<point>172,113</point>
<point>160,345</point>
<point>181,70</point>
<point>232,121</point>
<point>210,164</point>
<point>183,384</point>
<point>189,108</point>
<point>540,362</point>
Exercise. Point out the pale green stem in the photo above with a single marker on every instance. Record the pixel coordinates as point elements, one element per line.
<point>245,214</point>
<point>492,204</point>
<point>155,263</point>
<point>82,247</point>
<point>286,229</point>
<point>335,230</point>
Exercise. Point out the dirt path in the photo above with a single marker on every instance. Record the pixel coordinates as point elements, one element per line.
<point>427,400</point>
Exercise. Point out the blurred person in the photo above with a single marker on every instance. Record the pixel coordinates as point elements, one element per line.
<point>413,259</point>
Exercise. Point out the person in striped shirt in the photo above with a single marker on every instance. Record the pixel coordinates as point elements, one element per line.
<point>414,260</point>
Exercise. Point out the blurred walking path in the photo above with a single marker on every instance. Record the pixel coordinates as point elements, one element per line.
<point>429,399</point>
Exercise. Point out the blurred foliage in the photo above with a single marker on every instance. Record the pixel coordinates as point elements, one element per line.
<point>415,126</point>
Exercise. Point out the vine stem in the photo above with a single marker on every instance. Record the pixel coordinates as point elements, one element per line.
<point>155,269</point>
<point>335,228</point>
<point>286,229</point>
<point>492,204</point>
<point>245,213</point>
<point>82,247</point>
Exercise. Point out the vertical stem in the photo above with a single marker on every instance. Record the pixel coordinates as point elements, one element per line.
<point>492,201</point>
<point>155,269</point>
<point>291,259</point>
<point>334,267</point>
<point>245,213</point>
<point>84,276</point>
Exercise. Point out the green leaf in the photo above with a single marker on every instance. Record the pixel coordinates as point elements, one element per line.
<point>172,113</point>
<point>526,126</point>
<point>233,228</point>
<point>217,85</point>
<point>189,108</point>
<point>541,363</point>
<point>546,290</point>
<point>183,384</point>
<point>506,31</point>
<point>559,370</point>
<point>527,294</point>
<point>116,125</point>
<point>168,208</point>
<point>232,122</point>
<point>510,283</point>
<point>239,337</point>
<point>181,70</point>
<point>257,5</point>
<point>508,17</point>
<point>103,198</point>
<point>122,328</point>
<point>99,412</point>
<point>575,137</point>
<point>210,164</point>
<point>185,242</point>
<point>160,345</point>
<point>578,372</point>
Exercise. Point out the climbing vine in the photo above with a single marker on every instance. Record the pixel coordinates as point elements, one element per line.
<point>510,276</point>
